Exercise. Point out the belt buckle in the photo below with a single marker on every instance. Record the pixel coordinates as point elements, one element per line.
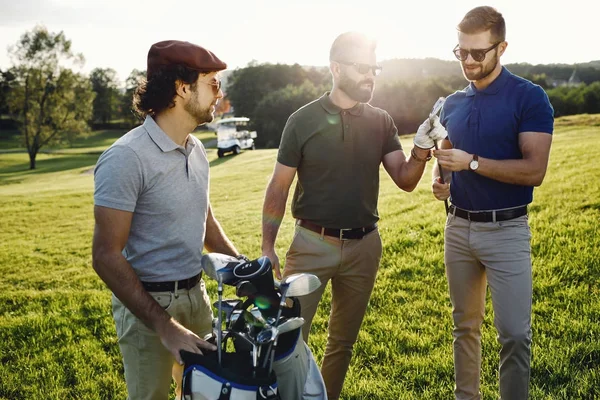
<point>342,233</point>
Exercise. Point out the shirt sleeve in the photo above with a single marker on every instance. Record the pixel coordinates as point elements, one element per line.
<point>289,153</point>
<point>538,114</point>
<point>118,179</point>
<point>391,139</point>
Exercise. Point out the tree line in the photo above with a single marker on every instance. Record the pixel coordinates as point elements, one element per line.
<point>48,102</point>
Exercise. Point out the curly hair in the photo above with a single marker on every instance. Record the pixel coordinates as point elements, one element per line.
<point>157,92</point>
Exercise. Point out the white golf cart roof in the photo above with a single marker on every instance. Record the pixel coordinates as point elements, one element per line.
<point>232,119</point>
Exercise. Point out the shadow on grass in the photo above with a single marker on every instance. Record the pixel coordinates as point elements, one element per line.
<point>52,163</point>
<point>222,160</point>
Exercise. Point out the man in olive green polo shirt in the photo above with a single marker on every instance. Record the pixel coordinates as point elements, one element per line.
<point>336,145</point>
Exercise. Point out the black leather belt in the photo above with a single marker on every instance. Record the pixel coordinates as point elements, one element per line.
<point>342,234</point>
<point>170,286</point>
<point>488,216</point>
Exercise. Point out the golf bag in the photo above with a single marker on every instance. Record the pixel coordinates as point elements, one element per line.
<point>270,360</point>
<point>205,379</point>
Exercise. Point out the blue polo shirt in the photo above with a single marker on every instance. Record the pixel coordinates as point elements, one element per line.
<point>487,123</point>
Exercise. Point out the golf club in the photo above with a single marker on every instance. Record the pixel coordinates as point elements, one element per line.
<point>287,326</point>
<point>437,107</point>
<point>296,285</point>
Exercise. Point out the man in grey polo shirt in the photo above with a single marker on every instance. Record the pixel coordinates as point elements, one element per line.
<point>336,144</point>
<point>153,218</point>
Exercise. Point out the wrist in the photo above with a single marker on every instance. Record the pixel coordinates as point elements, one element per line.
<point>425,154</point>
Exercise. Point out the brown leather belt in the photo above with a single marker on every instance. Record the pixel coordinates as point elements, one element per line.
<point>342,234</point>
<point>488,216</point>
<point>171,285</point>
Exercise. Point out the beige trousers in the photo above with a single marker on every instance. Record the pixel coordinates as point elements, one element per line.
<point>498,255</point>
<point>149,366</point>
<point>351,266</point>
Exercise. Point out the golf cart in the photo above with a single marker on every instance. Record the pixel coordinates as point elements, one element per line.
<point>233,136</point>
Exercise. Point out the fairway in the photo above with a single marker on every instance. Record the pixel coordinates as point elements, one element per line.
<point>58,340</point>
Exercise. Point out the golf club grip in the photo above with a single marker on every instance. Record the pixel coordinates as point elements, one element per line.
<point>441,176</point>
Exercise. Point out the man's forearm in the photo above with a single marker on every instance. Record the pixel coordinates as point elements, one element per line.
<point>273,212</point>
<point>122,280</point>
<point>412,169</point>
<point>516,172</point>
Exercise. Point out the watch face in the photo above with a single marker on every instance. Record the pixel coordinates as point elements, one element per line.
<point>473,165</point>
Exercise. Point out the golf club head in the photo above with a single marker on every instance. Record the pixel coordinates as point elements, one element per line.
<point>268,334</point>
<point>300,284</point>
<point>217,265</point>
<point>227,307</point>
<point>290,325</point>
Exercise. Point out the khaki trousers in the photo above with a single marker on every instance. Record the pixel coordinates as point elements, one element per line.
<point>499,253</point>
<point>351,266</point>
<point>148,365</point>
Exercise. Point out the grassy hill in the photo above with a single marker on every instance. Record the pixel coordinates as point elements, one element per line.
<point>57,336</point>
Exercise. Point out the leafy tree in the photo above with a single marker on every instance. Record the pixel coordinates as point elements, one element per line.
<point>274,109</point>
<point>50,102</point>
<point>247,86</point>
<point>132,82</point>
<point>107,101</point>
<point>7,78</point>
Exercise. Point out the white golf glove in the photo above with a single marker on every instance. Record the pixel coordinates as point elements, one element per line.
<point>426,135</point>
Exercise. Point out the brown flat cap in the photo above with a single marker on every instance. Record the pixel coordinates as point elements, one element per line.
<point>172,52</point>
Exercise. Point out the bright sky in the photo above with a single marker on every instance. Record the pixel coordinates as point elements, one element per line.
<point>118,33</point>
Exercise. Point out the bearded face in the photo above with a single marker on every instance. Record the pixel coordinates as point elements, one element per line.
<point>477,71</point>
<point>360,90</point>
<point>201,105</point>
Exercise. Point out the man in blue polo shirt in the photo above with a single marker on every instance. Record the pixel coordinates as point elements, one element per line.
<point>499,135</point>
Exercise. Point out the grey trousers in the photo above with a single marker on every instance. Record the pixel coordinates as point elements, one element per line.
<point>499,253</point>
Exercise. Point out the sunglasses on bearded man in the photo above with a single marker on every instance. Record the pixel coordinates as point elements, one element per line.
<point>477,54</point>
<point>363,68</point>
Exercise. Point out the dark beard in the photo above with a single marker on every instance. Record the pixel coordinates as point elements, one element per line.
<point>485,72</point>
<point>354,91</point>
<point>201,116</point>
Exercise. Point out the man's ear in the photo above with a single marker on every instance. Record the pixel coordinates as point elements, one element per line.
<point>503,47</point>
<point>335,68</point>
<point>181,88</point>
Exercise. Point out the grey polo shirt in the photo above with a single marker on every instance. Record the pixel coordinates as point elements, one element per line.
<point>165,186</point>
<point>337,154</point>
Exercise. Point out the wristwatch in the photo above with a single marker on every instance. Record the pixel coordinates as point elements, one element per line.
<point>474,164</point>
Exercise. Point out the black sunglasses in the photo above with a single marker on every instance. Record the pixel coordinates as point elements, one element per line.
<point>363,68</point>
<point>477,54</point>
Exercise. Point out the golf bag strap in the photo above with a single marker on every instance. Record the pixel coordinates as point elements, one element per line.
<point>225,391</point>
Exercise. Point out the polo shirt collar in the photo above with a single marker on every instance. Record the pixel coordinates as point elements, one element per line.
<point>331,108</point>
<point>158,136</point>
<point>494,87</point>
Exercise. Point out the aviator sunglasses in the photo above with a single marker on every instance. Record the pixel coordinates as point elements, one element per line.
<point>477,54</point>
<point>216,85</point>
<point>363,68</point>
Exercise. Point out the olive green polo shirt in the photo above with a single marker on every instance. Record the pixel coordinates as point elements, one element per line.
<point>337,154</point>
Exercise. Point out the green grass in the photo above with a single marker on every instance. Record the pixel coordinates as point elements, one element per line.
<point>58,341</point>
<point>92,143</point>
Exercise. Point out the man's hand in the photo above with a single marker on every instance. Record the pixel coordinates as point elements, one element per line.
<point>274,262</point>
<point>427,134</point>
<point>441,191</point>
<point>453,159</point>
<point>176,337</point>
